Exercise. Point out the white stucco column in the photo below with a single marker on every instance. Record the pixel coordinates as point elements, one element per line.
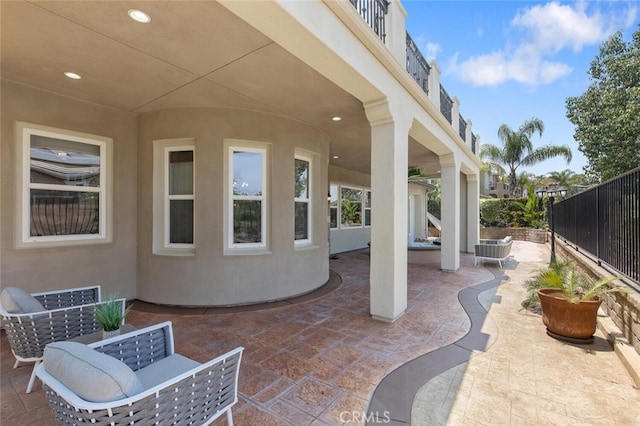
<point>473,211</point>
<point>455,115</point>
<point>469,134</point>
<point>434,84</point>
<point>397,31</point>
<point>389,164</point>
<point>450,207</point>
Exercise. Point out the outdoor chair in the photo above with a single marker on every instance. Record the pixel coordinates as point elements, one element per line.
<point>32,321</point>
<point>493,250</point>
<point>137,378</point>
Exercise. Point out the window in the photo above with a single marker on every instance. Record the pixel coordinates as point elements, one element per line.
<point>65,194</point>
<point>174,197</point>
<point>351,207</point>
<point>247,214</point>
<point>333,206</point>
<point>302,201</point>
<point>367,208</point>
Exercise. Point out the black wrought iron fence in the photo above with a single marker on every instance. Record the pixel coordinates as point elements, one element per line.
<point>446,104</point>
<point>373,12</point>
<point>605,221</point>
<point>462,127</point>
<point>417,66</point>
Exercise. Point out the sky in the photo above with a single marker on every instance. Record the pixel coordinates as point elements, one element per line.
<point>508,61</point>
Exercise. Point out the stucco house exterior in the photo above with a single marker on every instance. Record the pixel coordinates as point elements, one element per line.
<point>218,154</point>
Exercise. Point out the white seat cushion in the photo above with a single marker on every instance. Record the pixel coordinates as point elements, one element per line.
<point>165,369</point>
<point>90,374</point>
<point>17,301</point>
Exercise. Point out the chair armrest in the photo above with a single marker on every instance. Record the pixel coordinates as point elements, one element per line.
<point>68,297</point>
<point>139,348</point>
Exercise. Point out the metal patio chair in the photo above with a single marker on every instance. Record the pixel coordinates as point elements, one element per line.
<point>137,378</point>
<point>33,321</point>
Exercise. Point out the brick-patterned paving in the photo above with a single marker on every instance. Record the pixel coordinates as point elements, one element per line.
<point>305,363</point>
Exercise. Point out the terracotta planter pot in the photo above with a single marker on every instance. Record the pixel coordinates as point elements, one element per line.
<point>565,319</point>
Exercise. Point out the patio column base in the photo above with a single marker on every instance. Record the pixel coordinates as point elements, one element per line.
<point>385,319</point>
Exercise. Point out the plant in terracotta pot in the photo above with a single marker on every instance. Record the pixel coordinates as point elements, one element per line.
<point>569,301</point>
<point>111,314</point>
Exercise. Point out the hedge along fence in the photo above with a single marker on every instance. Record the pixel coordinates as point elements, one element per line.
<point>512,212</point>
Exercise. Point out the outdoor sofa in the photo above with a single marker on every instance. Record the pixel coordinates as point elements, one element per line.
<point>137,378</point>
<point>32,321</point>
<point>493,250</point>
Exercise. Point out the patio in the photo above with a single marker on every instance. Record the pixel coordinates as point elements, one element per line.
<point>319,361</point>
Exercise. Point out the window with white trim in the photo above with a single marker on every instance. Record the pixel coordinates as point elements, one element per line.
<point>247,168</point>
<point>367,207</point>
<point>334,202</point>
<point>174,197</point>
<point>351,207</point>
<point>302,199</point>
<point>65,196</point>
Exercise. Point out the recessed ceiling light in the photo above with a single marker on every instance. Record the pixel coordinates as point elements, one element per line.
<point>336,118</point>
<point>335,156</point>
<point>139,16</point>
<point>73,75</point>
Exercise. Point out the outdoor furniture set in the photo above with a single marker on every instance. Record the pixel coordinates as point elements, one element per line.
<point>493,250</point>
<point>133,378</point>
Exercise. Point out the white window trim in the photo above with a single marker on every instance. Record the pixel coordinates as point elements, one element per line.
<point>338,207</point>
<point>310,182</point>
<point>231,248</point>
<point>161,198</point>
<point>22,239</point>
<point>342,226</point>
<point>365,208</point>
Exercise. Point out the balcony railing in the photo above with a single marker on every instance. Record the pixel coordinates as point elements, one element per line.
<point>417,66</point>
<point>373,12</point>
<point>462,124</point>
<point>446,104</point>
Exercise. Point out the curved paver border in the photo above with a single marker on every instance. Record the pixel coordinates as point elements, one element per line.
<point>392,399</point>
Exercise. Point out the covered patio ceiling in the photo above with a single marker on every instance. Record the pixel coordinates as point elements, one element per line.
<point>191,54</point>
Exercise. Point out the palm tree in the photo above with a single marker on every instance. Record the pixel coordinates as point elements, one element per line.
<point>563,178</point>
<point>517,149</point>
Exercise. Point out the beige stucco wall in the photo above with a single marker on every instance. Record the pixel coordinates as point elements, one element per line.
<point>210,277</point>
<point>113,265</point>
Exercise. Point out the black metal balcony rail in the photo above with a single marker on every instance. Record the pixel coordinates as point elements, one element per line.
<point>462,127</point>
<point>605,221</point>
<point>417,66</point>
<point>446,104</point>
<point>373,12</point>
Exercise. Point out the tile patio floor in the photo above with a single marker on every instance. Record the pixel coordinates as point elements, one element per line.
<point>310,363</point>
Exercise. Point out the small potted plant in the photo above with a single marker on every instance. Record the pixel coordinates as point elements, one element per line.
<point>110,314</point>
<point>568,300</point>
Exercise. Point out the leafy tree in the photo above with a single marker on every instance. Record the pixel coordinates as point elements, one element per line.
<point>517,149</point>
<point>607,115</point>
<point>563,178</point>
<point>525,181</point>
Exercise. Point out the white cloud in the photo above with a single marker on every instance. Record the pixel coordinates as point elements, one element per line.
<point>523,66</point>
<point>431,51</point>
<point>553,27</point>
<point>539,32</point>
